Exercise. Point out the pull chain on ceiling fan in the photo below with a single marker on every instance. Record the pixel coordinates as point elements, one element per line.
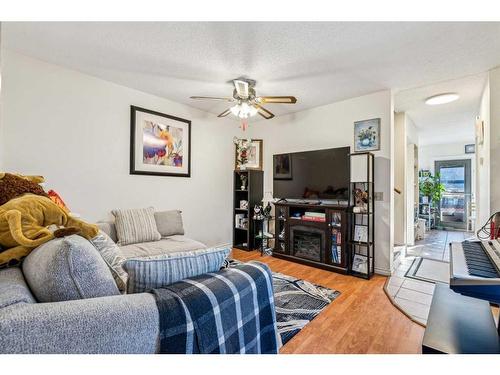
<point>247,103</point>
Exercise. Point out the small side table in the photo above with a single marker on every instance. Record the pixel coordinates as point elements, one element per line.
<point>263,237</point>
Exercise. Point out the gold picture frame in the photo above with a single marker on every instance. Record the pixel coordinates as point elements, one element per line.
<point>254,158</point>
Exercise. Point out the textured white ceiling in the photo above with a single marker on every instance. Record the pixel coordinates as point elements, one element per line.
<point>445,123</point>
<point>319,63</point>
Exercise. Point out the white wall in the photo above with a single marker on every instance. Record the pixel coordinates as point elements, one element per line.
<point>411,131</point>
<point>75,130</point>
<point>483,161</point>
<point>495,140</point>
<point>412,140</point>
<point>332,126</point>
<point>400,178</point>
<point>430,153</point>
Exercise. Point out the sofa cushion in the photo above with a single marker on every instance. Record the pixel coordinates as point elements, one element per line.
<point>169,223</point>
<point>146,273</point>
<point>135,225</point>
<point>172,244</point>
<point>66,269</point>
<point>109,228</point>
<point>13,288</point>
<point>113,257</point>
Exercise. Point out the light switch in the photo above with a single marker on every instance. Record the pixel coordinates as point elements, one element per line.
<point>379,196</point>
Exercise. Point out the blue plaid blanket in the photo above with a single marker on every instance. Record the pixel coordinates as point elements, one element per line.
<point>230,311</point>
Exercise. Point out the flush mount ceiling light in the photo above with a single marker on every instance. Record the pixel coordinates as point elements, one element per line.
<point>442,98</point>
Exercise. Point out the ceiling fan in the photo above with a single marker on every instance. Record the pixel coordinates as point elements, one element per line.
<point>247,103</point>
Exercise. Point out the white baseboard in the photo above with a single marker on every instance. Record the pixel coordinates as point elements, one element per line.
<point>383,271</point>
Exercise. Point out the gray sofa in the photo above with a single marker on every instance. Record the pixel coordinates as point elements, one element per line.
<point>114,324</point>
<point>126,323</point>
<point>170,244</point>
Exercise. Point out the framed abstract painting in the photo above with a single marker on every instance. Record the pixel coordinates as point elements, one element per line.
<point>367,135</point>
<point>160,144</point>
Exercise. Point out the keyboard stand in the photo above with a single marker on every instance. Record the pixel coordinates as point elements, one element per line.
<point>459,325</point>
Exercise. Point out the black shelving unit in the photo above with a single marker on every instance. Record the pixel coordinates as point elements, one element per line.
<point>362,223</point>
<point>244,235</point>
<point>262,240</point>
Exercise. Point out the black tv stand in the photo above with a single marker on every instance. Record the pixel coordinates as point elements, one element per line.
<point>311,240</point>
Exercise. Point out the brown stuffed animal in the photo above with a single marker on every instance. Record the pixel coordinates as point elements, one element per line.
<point>26,214</point>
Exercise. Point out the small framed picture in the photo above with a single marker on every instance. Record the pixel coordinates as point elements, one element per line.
<point>282,169</point>
<point>360,233</point>
<point>367,135</point>
<point>160,144</point>
<point>470,149</point>
<point>253,155</point>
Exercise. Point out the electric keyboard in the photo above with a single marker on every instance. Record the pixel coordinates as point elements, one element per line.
<point>475,269</point>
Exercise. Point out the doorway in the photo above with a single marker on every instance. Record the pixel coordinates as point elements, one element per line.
<point>455,175</point>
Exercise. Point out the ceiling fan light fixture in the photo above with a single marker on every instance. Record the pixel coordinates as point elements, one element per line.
<point>442,98</point>
<point>243,110</point>
<point>235,109</point>
<point>246,102</point>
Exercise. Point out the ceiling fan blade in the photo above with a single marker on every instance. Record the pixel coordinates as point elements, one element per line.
<point>264,112</point>
<point>211,98</point>
<point>278,99</point>
<point>225,113</point>
<point>241,88</point>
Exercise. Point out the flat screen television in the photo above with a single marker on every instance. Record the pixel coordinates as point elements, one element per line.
<point>312,175</point>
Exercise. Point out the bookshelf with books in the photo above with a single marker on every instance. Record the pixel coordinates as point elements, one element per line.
<point>362,210</point>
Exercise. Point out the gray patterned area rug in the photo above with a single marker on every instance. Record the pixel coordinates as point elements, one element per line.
<point>297,302</point>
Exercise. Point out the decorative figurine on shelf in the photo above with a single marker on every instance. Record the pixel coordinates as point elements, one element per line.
<point>257,213</point>
<point>282,214</point>
<point>242,149</point>
<point>360,200</point>
<point>262,214</point>
<point>244,204</point>
<point>282,234</point>
<point>243,179</point>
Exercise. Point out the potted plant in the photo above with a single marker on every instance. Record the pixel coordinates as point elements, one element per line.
<point>431,187</point>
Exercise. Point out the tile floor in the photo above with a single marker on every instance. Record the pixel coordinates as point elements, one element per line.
<point>414,296</point>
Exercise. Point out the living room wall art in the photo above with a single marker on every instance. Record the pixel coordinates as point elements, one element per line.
<point>367,135</point>
<point>282,167</point>
<point>160,144</point>
<point>252,154</point>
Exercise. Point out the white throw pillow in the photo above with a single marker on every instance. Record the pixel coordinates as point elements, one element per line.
<point>113,257</point>
<point>135,225</point>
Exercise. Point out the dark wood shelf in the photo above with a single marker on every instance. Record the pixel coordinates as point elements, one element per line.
<point>335,224</point>
<point>253,194</point>
<point>363,249</point>
<point>241,247</point>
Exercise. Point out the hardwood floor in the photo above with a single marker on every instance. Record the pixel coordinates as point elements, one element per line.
<point>360,320</point>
